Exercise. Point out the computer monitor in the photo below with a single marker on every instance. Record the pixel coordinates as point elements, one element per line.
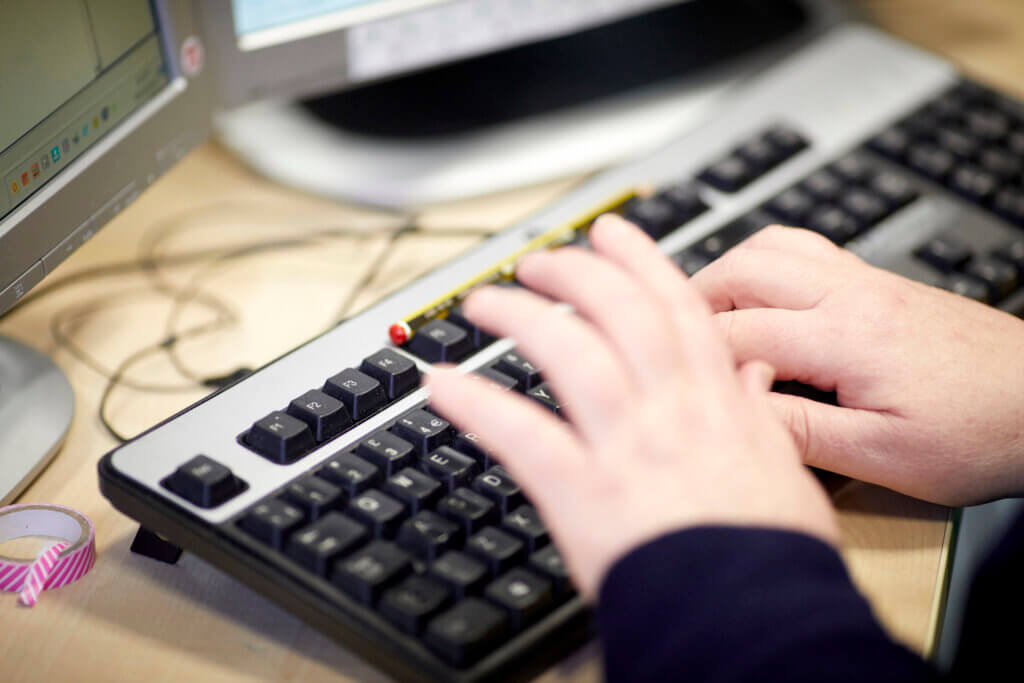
<point>97,103</point>
<point>404,102</point>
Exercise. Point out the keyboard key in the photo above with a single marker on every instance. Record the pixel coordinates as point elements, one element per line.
<point>469,443</point>
<point>1009,203</point>
<point>314,495</point>
<point>467,631</point>
<point>316,546</point>
<point>543,395</point>
<point>451,468</point>
<point>961,143</point>
<point>867,208</point>
<point>654,215</point>
<point>440,341</point>
<point>1000,277</point>
<point>204,482</point>
<point>854,168</point>
<point>523,596</point>
<point>387,451</point>
<point>685,198</point>
<point>414,488</point>
<point>987,124</point>
<point>1001,163</point>
<point>498,550</point>
<point>326,416</point>
<point>787,140</point>
<point>834,223</point>
<point>354,475</point>
<point>893,143</point>
<point>974,183</point>
<point>965,285</point>
<point>498,485</point>
<point>499,378</point>
<point>731,174</point>
<point>514,365</point>
<point>945,252</point>
<point>823,185</point>
<point>381,513</point>
<point>396,373</point>
<point>469,509</point>
<point>792,206</point>
<point>931,160</point>
<point>477,337</point>
<point>894,188</point>
<point>690,262</point>
<point>424,430</point>
<point>361,394</point>
<point>427,535</point>
<point>368,572</point>
<point>410,604</point>
<point>1013,253</point>
<point>280,438</point>
<point>460,572</point>
<point>548,563</point>
<point>526,525</point>
<point>761,154</point>
<point>272,520</point>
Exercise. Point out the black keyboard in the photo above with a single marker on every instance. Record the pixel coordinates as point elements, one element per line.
<point>326,482</point>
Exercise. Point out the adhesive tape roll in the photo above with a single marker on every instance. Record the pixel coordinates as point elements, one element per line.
<point>58,565</point>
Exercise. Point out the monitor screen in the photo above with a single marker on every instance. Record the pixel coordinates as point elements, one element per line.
<point>71,71</point>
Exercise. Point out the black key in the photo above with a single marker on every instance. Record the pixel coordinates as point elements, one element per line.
<point>965,285</point>
<point>894,188</point>
<point>460,572</point>
<point>961,143</point>
<point>731,174</point>
<point>368,572</point>
<point>721,241</point>
<point>867,208</point>
<point>549,563</point>
<point>477,337</point>
<point>685,198</point>
<point>893,143</point>
<point>314,495</point>
<point>523,595</point>
<point>1000,277</point>
<point>1012,253</point>
<point>655,216</point>
<point>466,632</point>
<point>792,206</point>
<point>424,430</point>
<point>1015,143</point>
<point>514,365</point>
<point>823,185</point>
<point>786,140</point>
<point>974,183</point>
<point>440,341</point>
<point>272,520</point>
<point>316,546</point>
<point>428,535</point>
<point>854,168</point>
<point>414,488</point>
<point>204,482</point>
<point>988,124</point>
<point>280,438</point>
<point>326,416</point>
<point>387,451</point>
<point>543,395</point>
<point>396,373</point>
<point>354,475</point>
<point>761,154</point>
<point>451,468</point>
<point>499,378</point>
<point>361,394</point>
<point>498,485</point>
<point>498,550</point>
<point>690,262</point>
<point>468,443</point>
<point>1001,163</point>
<point>834,223</point>
<point>471,510</point>
<point>1009,203</point>
<point>410,604</point>
<point>931,160</point>
<point>525,524</point>
<point>945,253</point>
<point>381,513</point>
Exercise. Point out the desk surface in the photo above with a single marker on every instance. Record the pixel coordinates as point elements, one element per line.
<point>134,618</point>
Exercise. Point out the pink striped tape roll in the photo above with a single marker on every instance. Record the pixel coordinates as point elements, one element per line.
<point>59,564</point>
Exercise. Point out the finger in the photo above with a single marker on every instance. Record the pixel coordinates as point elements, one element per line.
<point>756,378</point>
<point>795,241</point>
<point>794,343</point>
<point>540,451</point>
<point>634,322</point>
<point>755,278</point>
<point>580,366</point>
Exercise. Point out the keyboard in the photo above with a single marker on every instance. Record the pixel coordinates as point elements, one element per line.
<point>326,482</point>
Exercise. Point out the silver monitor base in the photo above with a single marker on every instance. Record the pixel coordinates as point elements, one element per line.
<point>36,408</point>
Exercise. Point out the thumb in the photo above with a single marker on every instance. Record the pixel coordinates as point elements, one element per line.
<point>756,378</point>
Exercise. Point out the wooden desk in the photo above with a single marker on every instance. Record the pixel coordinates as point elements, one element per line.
<point>134,618</point>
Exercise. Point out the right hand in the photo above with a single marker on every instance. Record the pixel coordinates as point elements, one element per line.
<point>930,385</point>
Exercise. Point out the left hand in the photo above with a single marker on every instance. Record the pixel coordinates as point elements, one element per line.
<point>663,432</point>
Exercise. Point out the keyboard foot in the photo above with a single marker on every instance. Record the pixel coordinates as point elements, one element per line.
<point>154,546</point>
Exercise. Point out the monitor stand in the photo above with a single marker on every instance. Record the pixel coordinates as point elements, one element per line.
<point>36,408</point>
<point>525,115</point>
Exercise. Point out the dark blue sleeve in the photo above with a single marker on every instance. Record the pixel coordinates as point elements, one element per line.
<point>729,604</point>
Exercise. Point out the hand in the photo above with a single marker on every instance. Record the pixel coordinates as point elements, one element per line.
<point>663,432</point>
<point>930,384</point>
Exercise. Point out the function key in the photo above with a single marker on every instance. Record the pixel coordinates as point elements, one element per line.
<point>449,466</point>
<point>271,521</point>
<point>281,438</point>
<point>326,416</point>
<point>467,631</point>
<point>654,215</point>
<point>523,596</point>
<point>498,378</point>
<point>414,488</point>
<point>395,372</point>
<point>730,174</point>
<point>361,394</point>
<point>204,482</point>
<point>1000,277</point>
<point>945,252</point>
<point>428,535</point>
<point>543,395</point>
<point>381,513</point>
<point>424,430</point>
<point>514,365</point>
<point>471,510</point>
<point>368,572</point>
<point>317,545</point>
<point>496,549</point>
<point>387,451</point>
<point>548,563</point>
<point>354,475</point>
<point>498,485</point>
<point>525,523</point>
<point>477,336</point>
<point>314,495</point>
<point>440,341</point>
<point>410,604</point>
